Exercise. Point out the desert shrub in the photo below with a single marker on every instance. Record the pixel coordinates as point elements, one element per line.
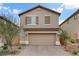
<point>19,47</point>
<point>73,40</point>
<point>75,52</point>
<point>64,37</point>
<point>4,52</point>
<point>5,47</point>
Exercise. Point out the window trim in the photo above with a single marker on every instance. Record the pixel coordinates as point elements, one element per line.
<point>31,16</point>
<point>31,24</point>
<point>50,20</point>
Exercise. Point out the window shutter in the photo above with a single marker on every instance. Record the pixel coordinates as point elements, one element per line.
<point>47,19</point>
<point>36,19</point>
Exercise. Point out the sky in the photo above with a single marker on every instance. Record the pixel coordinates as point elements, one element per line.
<point>13,9</point>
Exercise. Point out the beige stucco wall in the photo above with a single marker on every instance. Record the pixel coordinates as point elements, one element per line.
<point>72,26</point>
<point>41,14</point>
<point>27,32</point>
<point>77,26</point>
<point>25,39</point>
<point>54,19</point>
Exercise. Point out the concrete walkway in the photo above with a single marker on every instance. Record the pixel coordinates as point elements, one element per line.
<point>44,51</point>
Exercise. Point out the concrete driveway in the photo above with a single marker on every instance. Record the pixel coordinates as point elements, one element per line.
<point>44,51</point>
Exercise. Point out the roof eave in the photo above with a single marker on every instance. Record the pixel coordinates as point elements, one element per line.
<point>40,7</point>
<point>69,17</point>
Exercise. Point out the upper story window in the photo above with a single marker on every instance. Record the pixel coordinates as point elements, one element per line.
<point>31,20</point>
<point>47,19</point>
<point>75,17</point>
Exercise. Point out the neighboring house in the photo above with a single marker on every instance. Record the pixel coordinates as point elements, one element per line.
<point>40,26</point>
<point>71,24</point>
<point>5,20</point>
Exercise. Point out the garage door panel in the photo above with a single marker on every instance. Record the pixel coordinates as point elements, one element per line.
<point>42,39</point>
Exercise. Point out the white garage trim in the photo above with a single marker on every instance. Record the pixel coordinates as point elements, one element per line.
<point>57,41</point>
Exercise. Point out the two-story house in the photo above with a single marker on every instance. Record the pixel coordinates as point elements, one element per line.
<point>40,26</point>
<point>71,24</point>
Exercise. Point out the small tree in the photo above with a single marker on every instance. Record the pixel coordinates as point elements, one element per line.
<point>8,31</point>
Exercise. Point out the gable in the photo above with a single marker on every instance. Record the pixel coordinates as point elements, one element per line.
<point>40,12</point>
<point>39,7</point>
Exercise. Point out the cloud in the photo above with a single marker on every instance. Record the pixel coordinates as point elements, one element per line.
<point>9,13</point>
<point>3,7</point>
<point>1,4</point>
<point>72,6</point>
<point>16,11</point>
<point>6,8</point>
<point>60,9</point>
<point>61,21</point>
<point>69,4</point>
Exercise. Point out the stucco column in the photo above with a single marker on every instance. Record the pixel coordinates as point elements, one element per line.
<point>22,39</point>
<point>57,41</point>
<point>26,38</point>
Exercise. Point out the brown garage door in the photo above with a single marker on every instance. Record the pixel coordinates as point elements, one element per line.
<point>42,39</point>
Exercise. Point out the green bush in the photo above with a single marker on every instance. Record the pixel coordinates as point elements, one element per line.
<point>4,52</point>
<point>64,37</point>
<point>73,40</point>
<point>5,46</point>
<point>74,52</point>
